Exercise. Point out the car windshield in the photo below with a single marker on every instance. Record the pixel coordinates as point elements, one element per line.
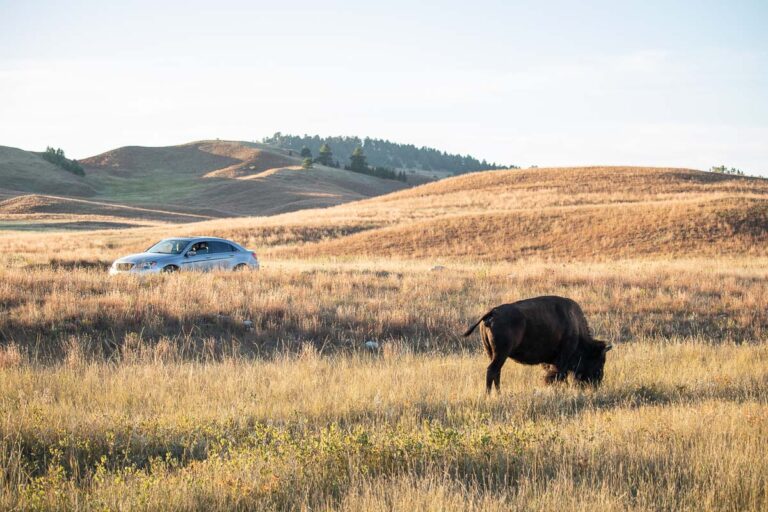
<point>171,246</point>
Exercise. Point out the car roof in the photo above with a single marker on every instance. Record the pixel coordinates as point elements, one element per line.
<point>202,238</point>
<point>190,238</point>
<point>209,238</point>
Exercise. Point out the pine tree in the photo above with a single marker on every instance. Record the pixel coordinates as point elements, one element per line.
<point>325,155</point>
<point>306,152</point>
<point>307,163</point>
<point>357,160</point>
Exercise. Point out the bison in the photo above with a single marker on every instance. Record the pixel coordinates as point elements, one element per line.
<point>551,331</point>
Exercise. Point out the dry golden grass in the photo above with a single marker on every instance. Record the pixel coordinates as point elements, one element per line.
<point>581,213</point>
<point>675,427</point>
<point>339,306</point>
<point>664,229</point>
<point>151,394</point>
<point>150,401</point>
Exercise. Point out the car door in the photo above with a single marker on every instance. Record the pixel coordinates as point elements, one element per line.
<point>223,255</point>
<point>198,257</point>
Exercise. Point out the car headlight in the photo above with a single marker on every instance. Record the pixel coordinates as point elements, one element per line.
<point>147,265</point>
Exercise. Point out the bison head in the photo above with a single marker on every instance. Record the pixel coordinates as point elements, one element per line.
<point>590,362</point>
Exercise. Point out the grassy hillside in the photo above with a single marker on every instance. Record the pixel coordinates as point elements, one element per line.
<point>27,172</point>
<point>593,213</point>
<point>210,179</point>
<point>232,178</point>
<point>579,213</point>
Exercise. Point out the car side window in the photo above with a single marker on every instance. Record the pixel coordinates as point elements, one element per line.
<point>219,247</point>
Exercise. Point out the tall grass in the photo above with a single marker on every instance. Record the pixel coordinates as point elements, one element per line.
<point>147,394</point>
<point>339,306</point>
<point>675,426</point>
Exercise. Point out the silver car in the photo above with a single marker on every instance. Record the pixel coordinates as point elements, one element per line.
<point>202,253</point>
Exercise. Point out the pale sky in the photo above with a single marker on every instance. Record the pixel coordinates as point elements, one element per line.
<point>559,83</point>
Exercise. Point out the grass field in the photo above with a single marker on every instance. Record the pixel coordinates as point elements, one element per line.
<point>677,426</point>
<point>136,394</point>
<point>154,394</point>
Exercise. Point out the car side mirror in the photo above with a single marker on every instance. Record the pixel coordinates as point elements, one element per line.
<point>191,252</point>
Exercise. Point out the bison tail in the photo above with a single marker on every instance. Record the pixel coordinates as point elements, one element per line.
<point>473,326</point>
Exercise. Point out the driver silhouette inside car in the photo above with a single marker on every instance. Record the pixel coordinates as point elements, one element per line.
<point>200,248</point>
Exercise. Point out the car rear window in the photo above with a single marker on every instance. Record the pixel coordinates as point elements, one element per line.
<point>221,247</point>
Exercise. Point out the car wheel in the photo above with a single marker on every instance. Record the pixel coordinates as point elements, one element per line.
<point>169,269</point>
<point>242,267</point>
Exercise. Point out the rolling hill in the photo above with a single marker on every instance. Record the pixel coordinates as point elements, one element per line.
<point>595,213</point>
<point>582,214</point>
<point>227,178</point>
<point>199,180</point>
<point>579,214</point>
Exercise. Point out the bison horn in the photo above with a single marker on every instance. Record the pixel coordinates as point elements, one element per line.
<point>608,347</point>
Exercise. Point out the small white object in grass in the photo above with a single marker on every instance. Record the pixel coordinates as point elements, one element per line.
<point>371,345</point>
<point>248,324</point>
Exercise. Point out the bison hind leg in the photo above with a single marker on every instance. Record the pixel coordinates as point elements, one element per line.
<point>493,375</point>
<point>554,374</point>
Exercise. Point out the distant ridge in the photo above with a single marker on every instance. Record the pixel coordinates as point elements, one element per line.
<point>384,153</point>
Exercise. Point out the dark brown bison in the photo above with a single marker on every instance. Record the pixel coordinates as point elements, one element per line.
<point>551,331</point>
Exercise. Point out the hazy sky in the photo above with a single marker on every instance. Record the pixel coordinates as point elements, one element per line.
<point>546,83</point>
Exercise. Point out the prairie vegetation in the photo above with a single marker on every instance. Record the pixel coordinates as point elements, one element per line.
<point>676,426</point>
<point>147,394</point>
<point>150,394</point>
<point>338,306</point>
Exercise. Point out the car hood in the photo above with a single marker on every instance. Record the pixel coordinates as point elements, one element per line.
<point>146,256</point>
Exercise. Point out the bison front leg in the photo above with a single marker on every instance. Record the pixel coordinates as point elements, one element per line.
<point>554,374</point>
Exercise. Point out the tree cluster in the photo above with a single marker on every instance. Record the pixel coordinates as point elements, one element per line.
<point>57,157</point>
<point>357,163</point>
<point>725,170</point>
<point>383,153</point>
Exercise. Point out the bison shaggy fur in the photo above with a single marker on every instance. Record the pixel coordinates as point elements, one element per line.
<point>551,331</point>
